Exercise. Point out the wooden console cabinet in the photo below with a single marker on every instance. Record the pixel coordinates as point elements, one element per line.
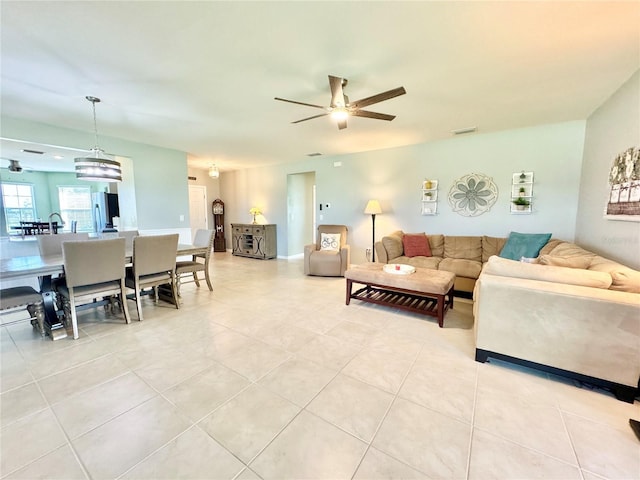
<point>255,241</point>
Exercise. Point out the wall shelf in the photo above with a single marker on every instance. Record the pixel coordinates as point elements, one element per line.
<point>522,188</point>
<point>429,198</point>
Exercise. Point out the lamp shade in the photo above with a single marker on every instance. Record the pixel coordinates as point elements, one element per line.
<point>98,168</point>
<point>372,208</point>
<point>214,172</point>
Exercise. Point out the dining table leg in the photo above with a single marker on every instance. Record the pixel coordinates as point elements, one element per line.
<point>52,324</point>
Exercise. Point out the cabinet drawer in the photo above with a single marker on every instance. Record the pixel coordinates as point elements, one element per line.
<point>257,230</point>
<point>237,230</point>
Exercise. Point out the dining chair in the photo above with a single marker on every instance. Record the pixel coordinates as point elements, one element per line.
<point>154,264</point>
<point>129,235</point>
<point>14,298</point>
<point>198,262</point>
<point>52,244</point>
<point>92,270</point>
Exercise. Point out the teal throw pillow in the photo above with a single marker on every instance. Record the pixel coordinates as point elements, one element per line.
<point>524,245</point>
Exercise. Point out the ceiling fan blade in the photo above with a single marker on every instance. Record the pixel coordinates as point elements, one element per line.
<point>311,118</point>
<point>300,103</point>
<point>377,116</point>
<point>342,124</point>
<point>380,97</point>
<point>337,94</point>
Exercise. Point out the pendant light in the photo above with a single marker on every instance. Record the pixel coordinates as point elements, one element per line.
<point>214,172</point>
<point>97,167</point>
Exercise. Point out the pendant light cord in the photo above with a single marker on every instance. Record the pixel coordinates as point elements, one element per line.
<point>95,124</point>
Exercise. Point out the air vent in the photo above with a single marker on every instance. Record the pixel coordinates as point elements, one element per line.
<point>37,152</point>
<point>315,154</point>
<point>462,131</point>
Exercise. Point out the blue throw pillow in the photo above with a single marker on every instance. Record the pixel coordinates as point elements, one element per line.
<point>524,245</point>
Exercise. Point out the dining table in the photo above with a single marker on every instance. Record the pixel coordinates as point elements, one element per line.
<point>44,268</point>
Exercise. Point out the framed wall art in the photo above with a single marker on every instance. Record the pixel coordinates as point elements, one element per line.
<point>623,202</point>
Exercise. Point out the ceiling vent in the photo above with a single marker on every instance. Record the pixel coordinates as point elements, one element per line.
<point>462,131</point>
<point>14,166</point>
<point>37,152</point>
<point>314,154</point>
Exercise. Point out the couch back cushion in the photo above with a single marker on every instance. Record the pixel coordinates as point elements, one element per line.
<point>436,243</point>
<point>625,279</point>
<point>546,273</point>
<point>469,248</point>
<point>491,246</point>
<point>393,244</point>
<point>416,245</point>
<point>569,262</point>
<point>551,244</point>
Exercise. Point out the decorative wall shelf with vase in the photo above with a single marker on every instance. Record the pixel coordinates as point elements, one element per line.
<point>522,193</point>
<point>429,202</point>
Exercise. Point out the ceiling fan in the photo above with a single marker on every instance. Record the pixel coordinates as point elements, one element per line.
<point>340,108</point>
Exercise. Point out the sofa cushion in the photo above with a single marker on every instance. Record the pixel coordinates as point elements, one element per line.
<point>421,262</point>
<point>393,244</point>
<point>570,262</point>
<point>416,245</point>
<point>469,248</point>
<point>461,267</point>
<point>491,246</point>
<point>436,243</point>
<point>551,244</point>
<point>568,249</point>
<point>625,279</point>
<point>546,273</point>
<point>526,245</point>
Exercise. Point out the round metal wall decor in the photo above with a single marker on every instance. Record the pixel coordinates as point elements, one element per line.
<point>473,195</point>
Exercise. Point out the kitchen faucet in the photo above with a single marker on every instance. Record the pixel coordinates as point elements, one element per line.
<point>51,222</point>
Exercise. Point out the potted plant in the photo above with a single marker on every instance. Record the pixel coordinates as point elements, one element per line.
<point>523,177</point>
<point>428,195</point>
<point>521,191</point>
<point>521,203</point>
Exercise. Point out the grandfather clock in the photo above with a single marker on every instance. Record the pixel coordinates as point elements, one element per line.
<point>219,244</point>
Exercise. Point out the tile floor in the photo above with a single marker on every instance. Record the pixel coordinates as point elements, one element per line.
<point>272,376</point>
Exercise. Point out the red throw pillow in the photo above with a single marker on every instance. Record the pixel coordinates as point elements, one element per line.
<point>416,245</point>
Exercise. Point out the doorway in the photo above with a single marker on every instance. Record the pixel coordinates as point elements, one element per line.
<point>301,190</point>
<point>197,208</point>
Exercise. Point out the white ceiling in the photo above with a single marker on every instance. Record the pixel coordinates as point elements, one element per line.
<point>200,77</point>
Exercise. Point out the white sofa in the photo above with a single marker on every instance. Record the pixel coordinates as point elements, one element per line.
<point>572,313</point>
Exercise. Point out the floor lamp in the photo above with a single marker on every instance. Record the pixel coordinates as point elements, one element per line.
<point>373,208</point>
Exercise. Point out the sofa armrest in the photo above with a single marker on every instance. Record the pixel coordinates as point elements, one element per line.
<point>345,258</point>
<point>590,331</point>
<point>381,253</point>
<point>307,254</point>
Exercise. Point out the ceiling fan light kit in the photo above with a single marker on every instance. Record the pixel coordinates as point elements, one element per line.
<point>340,108</point>
<point>98,167</point>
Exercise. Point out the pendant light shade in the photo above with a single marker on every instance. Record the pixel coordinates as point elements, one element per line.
<point>97,167</point>
<point>214,172</point>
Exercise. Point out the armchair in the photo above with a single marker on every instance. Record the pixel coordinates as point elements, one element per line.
<point>331,257</point>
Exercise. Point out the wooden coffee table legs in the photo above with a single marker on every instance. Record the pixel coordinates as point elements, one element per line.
<point>431,304</point>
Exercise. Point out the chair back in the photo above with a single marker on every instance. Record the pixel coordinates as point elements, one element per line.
<point>204,238</point>
<point>154,254</point>
<point>52,244</point>
<point>129,235</point>
<point>341,229</point>
<point>88,263</point>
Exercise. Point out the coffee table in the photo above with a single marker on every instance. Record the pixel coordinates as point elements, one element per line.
<point>426,291</point>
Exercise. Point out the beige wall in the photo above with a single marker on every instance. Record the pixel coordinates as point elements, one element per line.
<point>611,129</point>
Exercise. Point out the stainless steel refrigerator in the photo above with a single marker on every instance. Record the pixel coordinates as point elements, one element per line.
<point>105,207</point>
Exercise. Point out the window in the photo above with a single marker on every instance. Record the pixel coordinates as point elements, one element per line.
<point>75,205</point>
<point>18,204</point>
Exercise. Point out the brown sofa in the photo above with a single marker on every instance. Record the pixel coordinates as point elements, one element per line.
<point>462,255</point>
